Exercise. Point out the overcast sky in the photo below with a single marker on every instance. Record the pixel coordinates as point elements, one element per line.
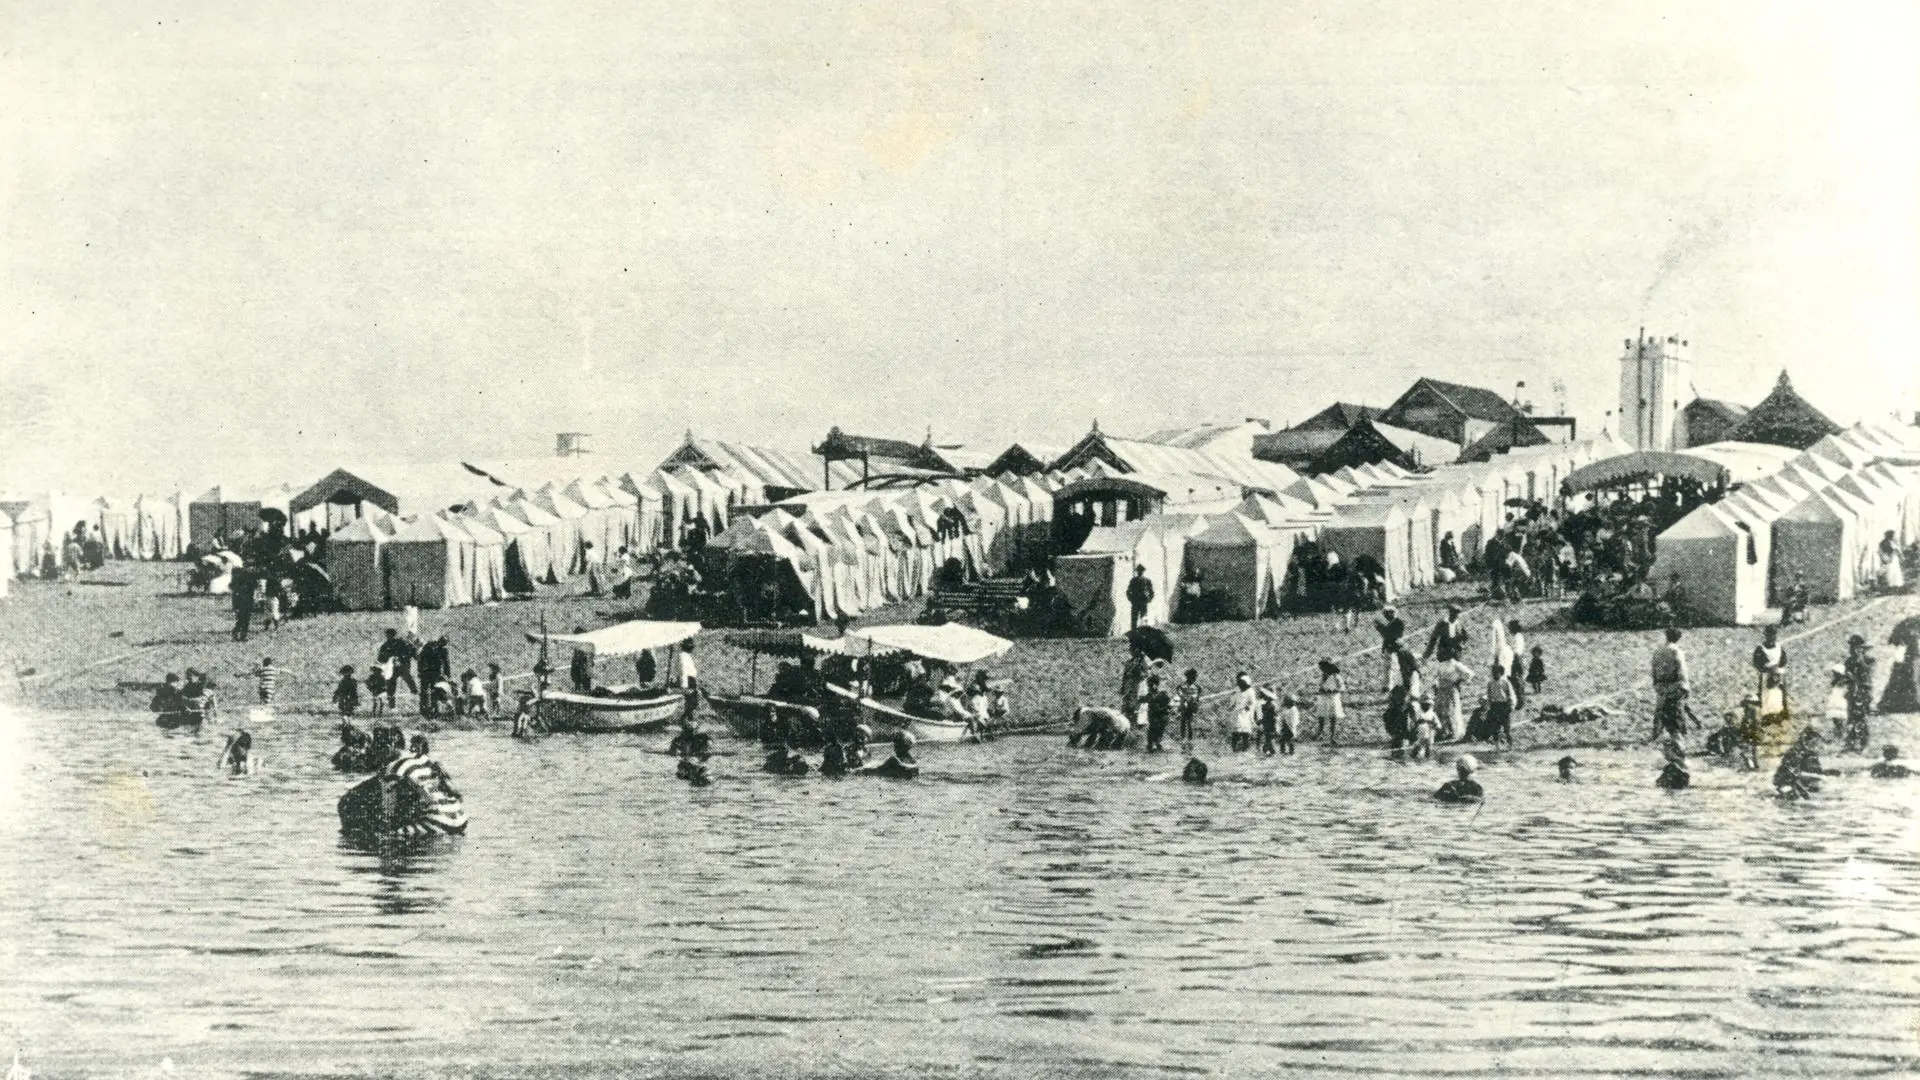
<point>237,232</point>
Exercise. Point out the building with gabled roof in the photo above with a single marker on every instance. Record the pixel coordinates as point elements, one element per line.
<point>1296,447</point>
<point>1372,441</point>
<point>1024,459</point>
<point>1455,412</point>
<point>1783,418</point>
<point>1137,455</point>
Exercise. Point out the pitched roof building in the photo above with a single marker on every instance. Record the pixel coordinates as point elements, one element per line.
<point>1296,447</point>
<point>1455,412</point>
<point>1372,441</point>
<point>1705,420</point>
<point>1784,419</point>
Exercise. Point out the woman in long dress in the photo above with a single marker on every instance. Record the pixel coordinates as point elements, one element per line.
<point>1893,577</point>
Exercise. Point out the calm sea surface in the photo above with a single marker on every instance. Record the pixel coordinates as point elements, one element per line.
<point>1024,909</point>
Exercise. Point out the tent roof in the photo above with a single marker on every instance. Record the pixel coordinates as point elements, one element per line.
<point>1716,463</point>
<point>1363,514</point>
<point>400,487</point>
<point>1706,520</point>
<point>425,529</point>
<point>1232,530</point>
<point>359,531</point>
<point>623,639</point>
<point>953,643</point>
<point>1175,488</point>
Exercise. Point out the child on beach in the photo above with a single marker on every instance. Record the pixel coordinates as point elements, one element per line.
<point>376,690</point>
<point>1289,722</point>
<point>1500,701</point>
<point>1246,708</point>
<point>473,694</point>
<point>1425,724</point>
<point>497,688</point>
<point>346,695</point>
<point>1837,700</point>
<point>1537,670</point>
<point>268,678</point>
<point>1332,710</point>
<point>1189,704</point>
<point>1269,722</point>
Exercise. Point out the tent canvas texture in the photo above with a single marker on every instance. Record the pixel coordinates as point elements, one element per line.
<point>1817,542</point>
<point>426,565</point>
<point>356,562</point>
<point>1241,566</point>
<point>1377,529</point>
<point>1717,565</point>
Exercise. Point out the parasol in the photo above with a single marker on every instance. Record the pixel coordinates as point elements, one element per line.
<point>1152,641</point>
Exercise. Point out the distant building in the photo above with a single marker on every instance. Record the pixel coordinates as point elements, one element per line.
<point>1784,419</point>
<point>1453,412</point>
<point>1024,459</point>
<point>1370,442</point>
<point>1706,420</point>
<point>1653,374</point>
<point>1234,437</point>
<point>1297,447</point>
<point>884,458</point>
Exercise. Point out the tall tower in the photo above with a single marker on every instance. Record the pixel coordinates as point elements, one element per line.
<point>1653,375</point>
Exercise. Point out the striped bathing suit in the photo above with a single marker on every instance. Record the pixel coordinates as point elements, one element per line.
<point>269,680</point>
<point>444,812</point>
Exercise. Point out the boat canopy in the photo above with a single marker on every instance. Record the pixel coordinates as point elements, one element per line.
<point>624,639</point>
<point>952,643</point>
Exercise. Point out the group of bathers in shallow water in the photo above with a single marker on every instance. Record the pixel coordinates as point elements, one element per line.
<point>840,757</point>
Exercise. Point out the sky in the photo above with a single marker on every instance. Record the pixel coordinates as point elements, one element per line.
<point>236,239</point>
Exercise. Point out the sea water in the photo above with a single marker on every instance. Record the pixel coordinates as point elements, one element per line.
<point>1022,909</point>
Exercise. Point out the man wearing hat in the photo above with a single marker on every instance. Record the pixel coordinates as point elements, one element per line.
<point>1859,668</point>
<point>1449,637</point>
<point>1139,595</point>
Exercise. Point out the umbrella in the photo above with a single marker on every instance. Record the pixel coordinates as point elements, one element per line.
<point>273,516</point>
<point>1152,641</point>
<point>1906,631</point>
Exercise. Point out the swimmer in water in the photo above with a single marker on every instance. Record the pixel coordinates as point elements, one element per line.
<point>901,766</point>
<point>1463,788</point>
<point>1098,728</point>
<point>238,758</point>
<point>786,761</point>
<point>1800,770</point>
<point>834,761</point>
<point>1566,765</point>
<point>1675,776</point>
<point>1195,772</point>
<point>1888,767</point>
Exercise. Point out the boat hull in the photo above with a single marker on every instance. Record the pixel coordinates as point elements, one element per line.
<point>564,711</point>
<point>744,713</point>
<point>886,721</point>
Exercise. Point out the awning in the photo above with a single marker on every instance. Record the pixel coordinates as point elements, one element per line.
<point>624,639</point>
<point>951,642</point>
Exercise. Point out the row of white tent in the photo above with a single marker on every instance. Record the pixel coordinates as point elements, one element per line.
<point>852,551</point>
<point>1240,556</point>
<point>1817,519</point>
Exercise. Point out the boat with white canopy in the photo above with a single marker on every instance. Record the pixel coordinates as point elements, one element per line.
<point>617,707</point>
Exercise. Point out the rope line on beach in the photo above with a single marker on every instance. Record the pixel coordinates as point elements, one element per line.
<point>1802,635</point>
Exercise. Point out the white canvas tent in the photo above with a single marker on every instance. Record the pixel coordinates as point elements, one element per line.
<point>1714,555</point>
<point>356,561</point>
<point>1375,528</point>
<point>1241,566</point>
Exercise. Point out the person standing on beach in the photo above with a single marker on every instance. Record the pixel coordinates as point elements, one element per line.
<point>241,587</point>
<point>1159,713</point>
<point>1189,704</point>
<point>1500,707</point>
<point>1770,671</point>
<point>1448,638</point>
<point>1391,628</point>
<point>1516,666</point>
<point>399,652</point>
<point>1333,708</point>
<point>1139,595</point>
<point>1246,706</point>
<point>1671,686</point>
<point>1133,676</point>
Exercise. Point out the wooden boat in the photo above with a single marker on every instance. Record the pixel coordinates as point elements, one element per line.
<point>617,710</point>
<point>886,720</point>
<point>744,713</point>
<point>614,708</point>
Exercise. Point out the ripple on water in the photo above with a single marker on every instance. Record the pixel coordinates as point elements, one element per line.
<point>1030,909</point>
